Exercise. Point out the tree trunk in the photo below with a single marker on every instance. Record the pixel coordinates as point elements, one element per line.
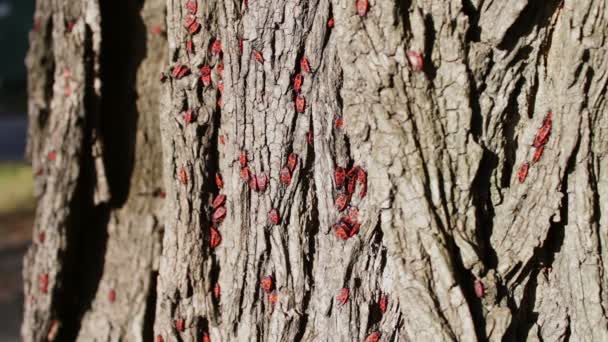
<point>471,131</point>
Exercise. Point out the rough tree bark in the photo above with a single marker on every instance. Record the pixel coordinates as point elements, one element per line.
<point>126,177</point>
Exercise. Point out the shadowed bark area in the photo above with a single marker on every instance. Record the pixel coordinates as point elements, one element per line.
<point>465,225</point>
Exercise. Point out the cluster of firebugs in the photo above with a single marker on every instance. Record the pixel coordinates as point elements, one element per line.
<point>345,180</point>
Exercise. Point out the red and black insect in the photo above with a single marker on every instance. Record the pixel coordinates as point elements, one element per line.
<point>258,56</point>
<point>218,181</point>
<point>192,6</point>
<point>342,201</point>
<point>480,290</point>
<point>183,175</point>
<point>253,183</point>
<point>43,282</point>
<point>342,231</point>
<point>300,103</point>
<point>216,47</point>
<point>214,237</point>
<point>220,70</point>
<point>542,136</point>
<point>339,122</point>
<point>219,102</point>
<point>220,87</point>
<point>342,296</point>
<point>180,71</point>
<point>206,338</point>
<point>159,338</point>
<point>205,73</point>
<point>191,24</point>
<point>219,215</point>
<point>180,324</point>
<point>274,216</point>
<point>273,297</point>
<point>310,137</point>
<point>243,159</point>
<point>222,139</point>
<point>383,303</point>
<point>285,176</point>
<point>298,80</point>
<point>362,179</point>
<point>292,161</point>
<point>330,23</point>
<point>522,174</point>
<point>416,60</point>
<point>353,214</point>
<point>188,116</point>
<point>112,296</point>
<point>51,156</point>
<point>262,182</point>
<point>305,65</point>
<point>373,337</point>
<point>217,291</point>
<point>362,7</point>
<point>267,284</point>
<point>219,201</point>
<point>538,153</point>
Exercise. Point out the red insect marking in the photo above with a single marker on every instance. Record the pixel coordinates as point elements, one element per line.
<point>205,73</point>
<point>159,338</point>
<point>217,291</point>
<point>188,116</point>
<point>262,182</point>
<point>298,80</point>
<point>243,159</point>
<point>219,102</point>
<point>245,174</point>
<point>51,156</point>
<point>190,46</point>
<point>342,231</point>
<point>156,30</point>
<point>373,337</point>
<point>222,139</point>
<point>41,237</point>
<point>305,65</point>
<point>292,161</point>
<point>383,303</point>
<point>362,7</point>
<point>274,216</point>
<point>300,103</point>
<point>343,295</point>
<point>350,188</point>
<point>218,181</point>
<point>253,183</point>
<point>522,174</point>
<point>330,23</point>
<point>542,136</point>
<point>194,28</point>
<point>339,123</point>
<point>220,70</point>
<point>112,296</point>
<point>538,153</point>
<point>219,201</point>
<point>258,56</point>
<point>342,201</point>
<point>192,6</point>
<point>218,215</point>
<point>480,290</point>
<point>189,20</point>
<point>206,338</point>
<point>220,87</point>
<point>285,176</point>
<point>310,137</point>
<point>43,283</point>
<point>183,176</point>
<point>179,324</point>
<point>273,297</point>
<point>216,47</point>
<point>214,237</point>
<point>339,176</point>
<point>354,230</point>
<point>415,59</point>
<point>267,284</point>
<point>180,71</point>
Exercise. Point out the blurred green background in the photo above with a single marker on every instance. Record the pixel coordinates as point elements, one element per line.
<point>16,200</point>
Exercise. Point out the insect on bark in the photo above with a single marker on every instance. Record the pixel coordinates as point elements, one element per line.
<point>383,303</point>
<point>205,73</point>
<point>415,59</point>
<point>305,65</point>
<point>258,56</point>
<point>522,173</point>
<point>219,201</point>
<point>262,182</point>
<point>339,176</point>
<point>273,297</point>
<point>298,80</point>
<point>274,216</point>
<point>243,159</point>
<point>538,153</point>
<point>300,103</point>
<point>180,71</point>
<point>342,296</point>
<point>216,47</point>
<point>480,290</point>
<point>245,174</point>
<point>214,237</point>
<point>330,23</point>
<point>218,181</point>
<point>180,324</point>
<point>267,284</point>
<point>112,296</point>
<point>192,6</point>
<point>362,7</point>
<point>217,291</point>
<point>373,337</point>
<point>188,117</point>
<point>292,161</point>
<point>218,215</point>
<point>183,175</point>
<point>342,201</point>
<point>43,282</point>
<point>285,176</point>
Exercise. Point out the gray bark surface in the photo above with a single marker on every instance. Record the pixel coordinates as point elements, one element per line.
<point>126,204</point>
